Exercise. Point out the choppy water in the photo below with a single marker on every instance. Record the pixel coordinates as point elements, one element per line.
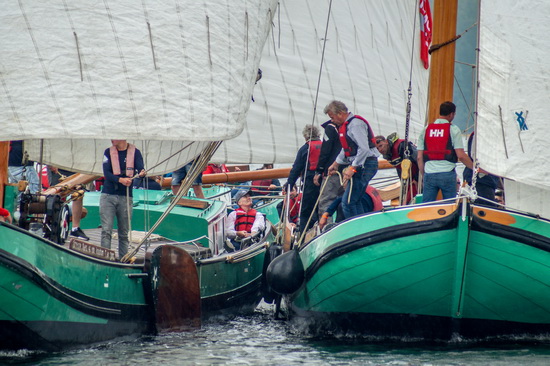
<point>259,339</point>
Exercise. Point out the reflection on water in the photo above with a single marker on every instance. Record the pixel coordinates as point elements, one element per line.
<point>261,340</point>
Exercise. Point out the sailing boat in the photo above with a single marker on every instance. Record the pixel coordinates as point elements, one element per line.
<point>452,267</point>
<point>173,79</point>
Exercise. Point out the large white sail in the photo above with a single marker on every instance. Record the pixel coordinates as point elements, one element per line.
<point>160,74</point>
<point>367,65</point>
<point>514,90</point>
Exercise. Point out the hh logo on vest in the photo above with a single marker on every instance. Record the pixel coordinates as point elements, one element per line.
<point>437,133</point>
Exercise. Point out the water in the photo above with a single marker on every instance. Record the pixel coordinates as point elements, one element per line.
<point>259,339</point>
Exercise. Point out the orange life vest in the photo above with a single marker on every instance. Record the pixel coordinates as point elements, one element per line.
<point>438,144</point>
<point>245,220</point>
<point>349,146</point>
<point>314,153</point>
<point>376,199</point>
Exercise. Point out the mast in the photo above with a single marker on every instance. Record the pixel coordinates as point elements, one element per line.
<point>442,67</point>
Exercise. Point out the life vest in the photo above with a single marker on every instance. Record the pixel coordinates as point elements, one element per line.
<point>396,160</point>
<point>259,184</point>
<point>294,213</point>
<point>245,220</point>
<point>376,199</point>
<point>349,146</point>
<point>130,154</point>
<point>314,153</point>
<point>438,144</point>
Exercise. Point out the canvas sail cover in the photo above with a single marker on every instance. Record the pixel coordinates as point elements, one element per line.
<point>367,65</point>
<point>514,90</point>
<point>164,75</point>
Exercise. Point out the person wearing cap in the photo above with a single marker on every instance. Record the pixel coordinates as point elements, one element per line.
<point>393,149</point>
<point>243,222</point>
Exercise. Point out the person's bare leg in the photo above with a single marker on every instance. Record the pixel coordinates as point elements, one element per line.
<point>198,191</point>
<point>77,215</point>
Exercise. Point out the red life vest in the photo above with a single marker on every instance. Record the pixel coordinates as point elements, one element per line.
<point>376,199</point>
<point>438,144</point>
<point>245,220</point>
<point>314,153</point>
<point>396,160</point>
<point>349,146</point>
<point>261,183</point>
<point>294,213</point>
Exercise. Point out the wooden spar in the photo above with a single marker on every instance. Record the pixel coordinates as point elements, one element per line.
<point>4,153</point>
<point>234,177</point>
<point>442,60</point>
<point>70,182</point>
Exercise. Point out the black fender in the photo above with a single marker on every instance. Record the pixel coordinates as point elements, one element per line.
<point>285,274</point>
<point>272,252</point>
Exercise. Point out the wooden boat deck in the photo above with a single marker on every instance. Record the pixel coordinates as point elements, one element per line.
<point>93,247</point>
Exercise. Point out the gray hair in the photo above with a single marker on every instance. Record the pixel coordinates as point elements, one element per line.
<point>335,107</point>
<point>311,132</point>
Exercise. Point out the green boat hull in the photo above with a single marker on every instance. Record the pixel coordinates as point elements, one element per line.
<point>429,271</point>
<point>46,303</point>
<point>53,297</point>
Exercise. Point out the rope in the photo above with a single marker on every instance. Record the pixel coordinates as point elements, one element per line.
<point>317,90</point>
<point>196,168</point>
<point>435,47</point>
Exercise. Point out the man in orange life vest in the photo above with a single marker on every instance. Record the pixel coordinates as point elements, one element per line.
<point>244,221</point>
<point>304,166</point>
<point>440,147</point>
<point>359,152</point>
<point>120,163</point>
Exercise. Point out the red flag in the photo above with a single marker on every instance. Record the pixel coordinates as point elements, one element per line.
<point>425,32</point>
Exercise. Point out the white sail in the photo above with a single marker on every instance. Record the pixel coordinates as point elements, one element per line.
<point>160,74</point>
<point>367,65</point>
<point>514,90</point>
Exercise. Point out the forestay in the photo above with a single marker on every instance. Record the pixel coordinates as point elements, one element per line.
<point>160,74</point>
<point>514,89</point>
<point>367,65</point>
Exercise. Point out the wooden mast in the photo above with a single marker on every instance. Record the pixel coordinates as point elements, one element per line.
<point>443,59</point>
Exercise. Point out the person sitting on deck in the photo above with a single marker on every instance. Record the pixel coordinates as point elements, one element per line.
<point>243,222</point>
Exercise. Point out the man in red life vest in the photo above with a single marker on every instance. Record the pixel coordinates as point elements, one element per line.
<point>304,166</point>
<point>264,187</point>
<point>244,221</point>
<point>359,152</point>
<point>393,150</point>
<point>440,147</point>
<point>121,162</point>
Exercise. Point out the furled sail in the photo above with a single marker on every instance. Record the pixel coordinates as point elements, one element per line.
<point>164,75</point>
<point>514,89</point>
<point>367,65</point>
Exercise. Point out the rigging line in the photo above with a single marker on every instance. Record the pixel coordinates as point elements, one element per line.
<point>409,91</point>
<point>185,185</point>
<point>468,105</point>
<point>317,93</point>
<point>171,156</point>
<point>435,47</point>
